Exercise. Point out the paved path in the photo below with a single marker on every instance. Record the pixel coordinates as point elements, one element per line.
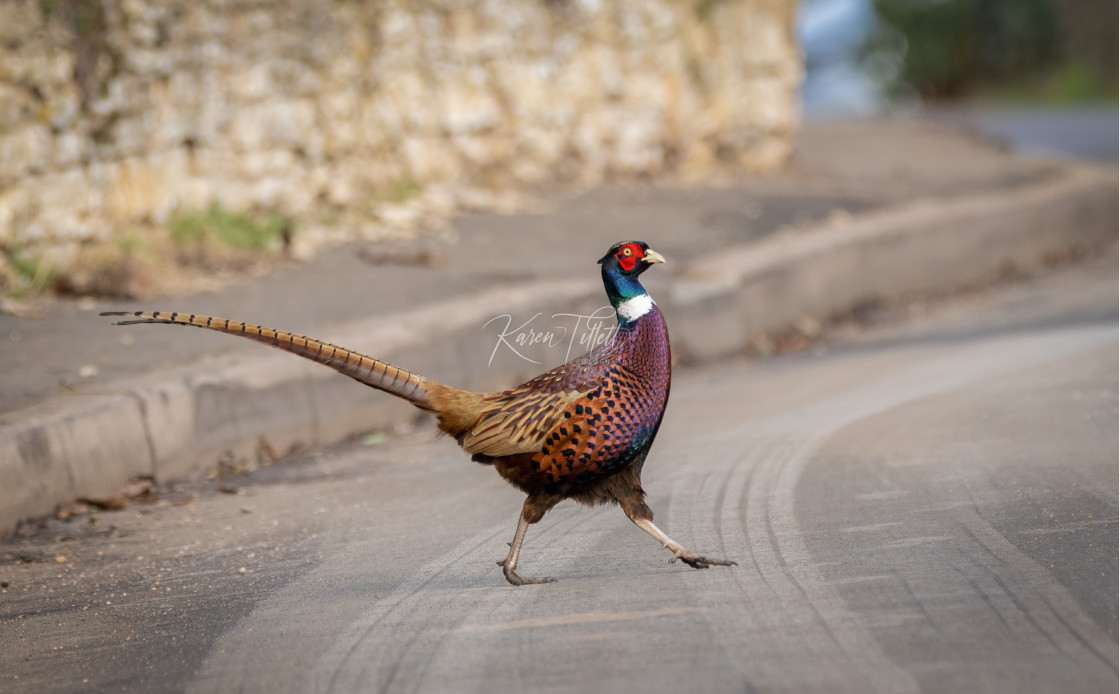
<point>928,506</point>
<point>1087,133</point>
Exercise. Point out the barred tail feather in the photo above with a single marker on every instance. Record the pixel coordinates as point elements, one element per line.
<point>372,372</point>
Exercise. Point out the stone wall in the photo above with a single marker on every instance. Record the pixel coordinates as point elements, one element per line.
<point>119,112</point>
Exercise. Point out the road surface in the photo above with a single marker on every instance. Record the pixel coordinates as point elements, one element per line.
<point>929,506</point>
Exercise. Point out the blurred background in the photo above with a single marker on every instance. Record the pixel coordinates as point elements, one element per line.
<point>1040,73</point>
<point>151,148</point>
<point>866,55</point>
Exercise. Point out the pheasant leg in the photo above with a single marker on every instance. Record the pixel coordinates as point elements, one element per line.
<point>628,492</point>
<point>509,564</point>
<point>696,561</point>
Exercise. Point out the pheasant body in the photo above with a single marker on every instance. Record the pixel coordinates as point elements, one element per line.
<point>580,431</point>
<point>623,387</point>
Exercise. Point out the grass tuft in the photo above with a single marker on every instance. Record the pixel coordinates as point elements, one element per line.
<point>24,277</point>
<point>215,225</point>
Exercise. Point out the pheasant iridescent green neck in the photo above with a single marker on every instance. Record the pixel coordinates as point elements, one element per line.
<point>627,296</point>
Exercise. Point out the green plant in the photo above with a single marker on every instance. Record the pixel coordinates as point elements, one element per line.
<point>399,190</point>
<point>705,8</point>
<point>32,275</point>
<point>131,241</point>
<point>954,48</point>
<point>217,225</point>
<point>1074,82</point>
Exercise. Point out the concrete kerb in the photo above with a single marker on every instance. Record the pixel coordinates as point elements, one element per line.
<point>83,445</point>
<point>726,300</point>
<point>169,423</point>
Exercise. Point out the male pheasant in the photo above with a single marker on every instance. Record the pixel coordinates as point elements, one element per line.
<point>580,431</point>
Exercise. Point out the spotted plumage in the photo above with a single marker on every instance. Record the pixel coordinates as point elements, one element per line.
<point>580,431</point>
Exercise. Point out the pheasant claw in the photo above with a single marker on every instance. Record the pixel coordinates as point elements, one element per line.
<point>518,580</point>
<point>698,562</point>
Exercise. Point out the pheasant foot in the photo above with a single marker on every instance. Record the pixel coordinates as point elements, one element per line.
<point>679,552</point>
<point>509,564</point>
<point>698,562</point>
<point>517,579</point>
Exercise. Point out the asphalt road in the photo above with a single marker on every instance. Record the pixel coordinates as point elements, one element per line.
<point>930,505</point>
<point>1087,133</point>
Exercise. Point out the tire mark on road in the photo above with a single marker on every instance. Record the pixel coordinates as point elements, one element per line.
<point>1041,599</point>
<point>480,611</point>
<point>780,554</point>
<point>333,671</point>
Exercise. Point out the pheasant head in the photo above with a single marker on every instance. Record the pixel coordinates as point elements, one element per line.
<point>621,266</point>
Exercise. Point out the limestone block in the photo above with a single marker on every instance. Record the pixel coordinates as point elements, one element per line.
<point>210,126</point>
<point>261,163</point>
<point>151,61</point>
<point>61,107</point>
<point>135,190</point>
<point>20,18</point>
<point>341,109</point>
<point>67,205</point>
<point>69,149</point>
<point>292,77</point>
<point>296,196</point>
<point>380,169</point>
<point>637,142</point>
<point>414,102</point>
<point>251,82</point>
<point>270,191</point>
<point>646,90</point>
<point>186,86</point>
<point>128,136</point>
<point>219,162</point>
<point>24,151</point>
<point>17,210</point>
<point>283,122</point>
<point>398,28</point>
<point>399,216</point>
<point>248,128</point>
<point>176,177</point>
<point>467,108</point>
<point>766,103</point>
<point>117,96</point>
<point>194,193</point>
<point>542,143</point>
<point>234,194</point>
<point>15,105</point>
<point>533,89</point>
<point>49,67</point>
<point>429,158</point>
<point>588,139</point>
<point>530,170</point>
<point>378,121</point>
<point>165,126</point>
<point>483,150</point>
<point>608,72</point>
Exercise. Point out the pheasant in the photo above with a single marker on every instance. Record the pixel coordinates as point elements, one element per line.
<point>580,431</point>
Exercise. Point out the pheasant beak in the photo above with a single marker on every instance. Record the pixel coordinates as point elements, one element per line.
<point>652,256</point>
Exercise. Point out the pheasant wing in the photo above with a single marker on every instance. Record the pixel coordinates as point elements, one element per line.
<point>518,420</point>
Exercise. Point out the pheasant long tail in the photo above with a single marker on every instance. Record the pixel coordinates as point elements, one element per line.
<point>372,372</point>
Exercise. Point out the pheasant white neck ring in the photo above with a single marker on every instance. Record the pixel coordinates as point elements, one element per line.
<point>634,308</point>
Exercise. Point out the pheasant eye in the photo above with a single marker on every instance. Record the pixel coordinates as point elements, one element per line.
<point>627,252</point>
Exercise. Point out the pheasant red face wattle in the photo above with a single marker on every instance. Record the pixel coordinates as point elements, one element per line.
<point>629,256</point>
